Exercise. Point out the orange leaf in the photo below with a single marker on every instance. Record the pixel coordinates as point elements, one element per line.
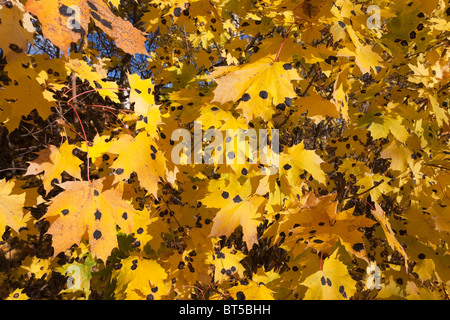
<point>64,22</point>
<point>53,162</point>
<point>85,206</point>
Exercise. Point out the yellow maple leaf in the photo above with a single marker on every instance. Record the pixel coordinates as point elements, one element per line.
<point>240,212</point>
<point>140,155</point>
<point>317,107</point>
<point>421,293</point>
<point>226,262</point>
<point>86,208</point>
<point>320,226</point>
<point>12,202</point>
<point>251,290</point>
<point>139,278</point>
<point>365,57</point>
<point>333,282</point>
<point>440,213</point>
<point>442,115</point>
<point>34,265</point>
<point>24,94</point>
<point>16,29</point>
<point>377,183</point>
<point>379,214</point>
<point>380,125</point>
<point>141,93</point>
<point>53,162</point>
<point>295,160</point>
<point>259,86</point>
<point>95,74</point>
<point>399,155</point>
<point>18,294</point>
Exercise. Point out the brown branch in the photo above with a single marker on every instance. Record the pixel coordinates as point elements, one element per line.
<point>444,87</point>
<point>252,43</point>
<point>356,196</point>
<point>437,166</point>
<point>445,292</point>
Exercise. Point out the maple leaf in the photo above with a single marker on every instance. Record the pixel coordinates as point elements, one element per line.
<point>295,160</point>
<point>64,22</point>
<point>420,293</point>
<point>380,125</point>
<point>15,29</point>
<point>89,208</point>
<point>24,94</point>
<point>440,213</point>
<point>18,295</point>
<point>35,266</point>
<point>400,158</point>
<point>142,96</point>
<point>379,214</point>
<point>258,86</point>
<point>310,10</point>
<point>317,107</point>
<point>95,74</point>
<point>429,261</point>
<point>140,155</point>
<point>333,282</point>
<point>238,207</point>
<point>365,57</point>
<point>301,266</point>
<point>320,225</point>
<point>187,266</point>
<point>212,116</point>
<point>13,199</point>
<point>141,93</point>
<point>375,184</point>
<point>251,290</point>
<point>243,212</point>
<point>140,278</point>
<point>442,115</point>
<point>226,262</point>
<point>98,147</point>
<point>53,162</point>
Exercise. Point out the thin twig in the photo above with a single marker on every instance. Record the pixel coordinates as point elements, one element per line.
<point>356,196</point>
<point>12,169</point>
<point>436,166</point>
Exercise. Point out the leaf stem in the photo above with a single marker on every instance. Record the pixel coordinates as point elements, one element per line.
<point>282,43</point>
<point>12,169</point>
<point>81,124</point>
